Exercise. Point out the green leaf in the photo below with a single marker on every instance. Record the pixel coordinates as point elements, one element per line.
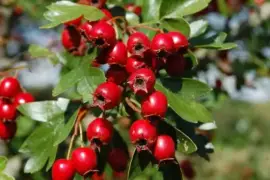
<point>3,163</point>
<point>52,157</point>
<point>185,106</point>
<point>24,126</point>
<point>37,51</point>
<point>139,162</point>
<point>184,144</point>
<point>132,18</point>
<point>176,24</point>
<point>179,8</point>
<point>192,57</point>
<point>198,27</point>
<point>35,163</point>
<point>4,176</point>
<point>89,82</point>
<point>150,10</point>
<point>64,11</point>
<point>45,110</point>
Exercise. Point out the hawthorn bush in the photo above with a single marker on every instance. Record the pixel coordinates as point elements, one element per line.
<point>123,61</point>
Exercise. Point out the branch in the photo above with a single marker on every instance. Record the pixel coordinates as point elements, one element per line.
<point>132,105</point>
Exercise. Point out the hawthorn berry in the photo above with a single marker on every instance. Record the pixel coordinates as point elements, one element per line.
<point>9,87</point>
<point>155,104</point>
<point>97,3</point>
<point>75,22</point>
<point>63,170</point>
<point>162,45</point>
<point>116,74</point>
<point>117,54</point>
<point>180,40</point>
<point>107,96</point>
<point>85,29</point>
<point>100,131</point>
<point>71,38</point>
<point>143,134</point>
<point>142,81</point>
<point>107,15</point>
<point>102,35</point>
<point>118,159</point>
<point>134,63</point>
<point>7,130</point>
<point>133,8</point>
<point>164,148</point>
<point>187,169</point>
<point>138,43</point>
<point>7,111</point>
<point>23,98</point>
<point>175,65</point>
<point>84,160</point>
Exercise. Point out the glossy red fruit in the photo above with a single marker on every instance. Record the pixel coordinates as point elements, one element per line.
<point>118,159</point>
<point>7,130</point>
<point>97,3</point>
<point>133,8</point>
<point>7,111</point>
<point>187,169</point>
<point>107,96</point>
<point>76,22</point>
<point>175,65</point>
<point>116,74</point>
<point>85,29</point>
<point>100,131</point>
<point>180,40</point>
<point>84,160</point>
<point>23,98</point>
<point>143,133</point>
<point>162,45</point>
<point>63,170</point>
<point>9,87</point>
<point>117,54</point>
<point>155,104</point>
<point>107,15</point>
<point>134,63</point>
<point>164,148</point>
<point>142,81</point>
<point>103,35</point>
<point>71,38</point>
<point>138,43</point>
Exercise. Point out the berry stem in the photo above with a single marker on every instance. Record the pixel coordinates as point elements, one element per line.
<point>7,72</point>
<point>81,135</point>
<point>132,105</point>
<point>81,115</point>
<point>146,27</point>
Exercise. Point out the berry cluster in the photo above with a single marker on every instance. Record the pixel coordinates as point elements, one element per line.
<point>11,96</point>
<point>133,67</point>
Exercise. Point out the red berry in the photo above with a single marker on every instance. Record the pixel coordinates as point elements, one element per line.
<point>97,3</point>
<point>9,87</point>
<point>180,41</point>
<point>155,104</point>
<point>100,130</point>
<point>117,54</point>
<point>162,45</point>
<point>85,29</point>
<point>116,74</point>
<point>218,84</point>
<point>23,98</point>
<point>187,169</point>
<point>118,159</point>
<point>107,96</point>
<point>134,63</point>
<point>7,111</point>
<point>142,81</point>
<point>175,65</point>
<point>164,148</point>
<point>71,38</point>
<point>63,170</point>
<point>138,43</point>
<point>7,130</point>
<point>133,8</point>
<point>84,160</point>
<point>107,15</point>
<point>75,22</point>
<point>103,34</point>
<point>143,133</point>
